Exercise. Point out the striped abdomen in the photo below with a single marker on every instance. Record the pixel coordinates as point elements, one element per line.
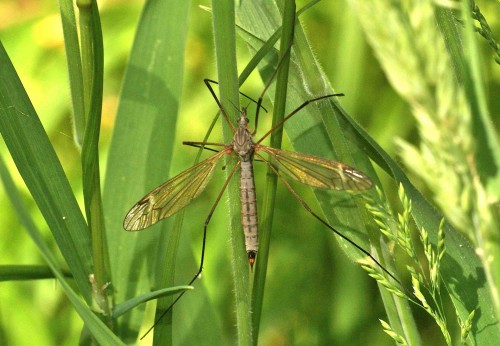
<point>249,210</point>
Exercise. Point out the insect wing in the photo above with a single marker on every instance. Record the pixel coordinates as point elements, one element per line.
<point>317,172</point>
<point>171,196</point>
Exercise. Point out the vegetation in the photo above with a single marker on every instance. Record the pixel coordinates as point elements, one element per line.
<point>419,79</point>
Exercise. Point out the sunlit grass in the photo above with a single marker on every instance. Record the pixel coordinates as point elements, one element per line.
<point>313,294</point>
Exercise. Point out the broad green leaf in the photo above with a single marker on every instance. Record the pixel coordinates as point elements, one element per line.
<point>141,150</point>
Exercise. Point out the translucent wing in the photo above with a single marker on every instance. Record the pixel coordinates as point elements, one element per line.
<point>317,172</point>
<point>171,196</point>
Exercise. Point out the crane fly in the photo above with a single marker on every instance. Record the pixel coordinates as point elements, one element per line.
<point>179,191</point>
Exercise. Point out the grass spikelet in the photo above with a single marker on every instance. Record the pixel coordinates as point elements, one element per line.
<point>425,274</point>
<point>465,326</point>
<point>432,59</point>
<point>395,336</point>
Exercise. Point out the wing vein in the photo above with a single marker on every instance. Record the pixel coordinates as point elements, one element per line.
<point>317,172</point>
<point>171,196</point>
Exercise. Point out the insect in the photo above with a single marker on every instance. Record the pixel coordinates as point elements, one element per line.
<point>179,191</point>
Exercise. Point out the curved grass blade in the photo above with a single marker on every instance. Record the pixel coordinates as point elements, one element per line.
<point>41,170</point>
<point>92,71</point>
<point>128,305</point>
<point>99,330</point>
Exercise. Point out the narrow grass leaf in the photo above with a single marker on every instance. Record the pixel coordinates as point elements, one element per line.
<point>271,181</point>
<point>41,170</point>
<point>93,69</point>
<point>28,272</point>
<point>225,50</point>
<point>317,130</point>
<point>98,329</point>
<point>73,58</point>
<point>127,305</point>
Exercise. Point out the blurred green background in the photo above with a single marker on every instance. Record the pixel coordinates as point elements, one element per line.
<point>313,292</point>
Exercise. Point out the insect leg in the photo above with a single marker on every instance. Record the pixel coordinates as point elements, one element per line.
<point>295,112</point>
<point>200,144</point>
<point>261,97</point>
<point>242,94</point>
<point>200,269</point>
<point>306,207</point>
<point>204,144</point>
<point>207,83</point>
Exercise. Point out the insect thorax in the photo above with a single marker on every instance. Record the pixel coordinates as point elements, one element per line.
<point>243,144</point>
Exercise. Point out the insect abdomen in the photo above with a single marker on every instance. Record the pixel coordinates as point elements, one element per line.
<point>249,210</point>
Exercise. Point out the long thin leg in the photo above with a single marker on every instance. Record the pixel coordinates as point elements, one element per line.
<point>295,112</point>
<point>205,228</point>
<point>194,144</point>
<point>223,111</point>
<point>242,94</point>
<point>259,101</point>
<point>261,97</point>
<point>306,207</point>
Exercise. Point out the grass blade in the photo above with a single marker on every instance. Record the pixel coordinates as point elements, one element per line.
<point>225,48</point>
<point>93,69</point>
<point>42,172</point>
<point>325,138</point>
<point>73,58</point>
<point>99,330</point>
<point>27,272</point>
<point>141,151</point>
<point>271,182</point>
<point>130,304</point>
